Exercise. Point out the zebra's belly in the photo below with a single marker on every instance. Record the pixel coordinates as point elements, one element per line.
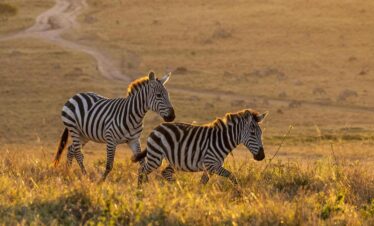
<point>121,140</point>
<point>101,135</point>
<point>94,139</point>
<point>186,158</point>
<point>188,167</point>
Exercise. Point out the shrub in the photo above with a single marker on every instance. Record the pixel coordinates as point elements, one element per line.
<point>7,10</point>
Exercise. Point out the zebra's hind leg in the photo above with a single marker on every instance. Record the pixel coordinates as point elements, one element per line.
<point>70,156</point>
<point>80,157</point>
<point>168,173</point>
<point>74,150</point>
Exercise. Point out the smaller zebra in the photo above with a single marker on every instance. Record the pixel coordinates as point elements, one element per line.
<point>195,148</point>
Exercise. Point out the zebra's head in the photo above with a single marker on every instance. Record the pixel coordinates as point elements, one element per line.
<point>251,135</point>
<point>158,98</point>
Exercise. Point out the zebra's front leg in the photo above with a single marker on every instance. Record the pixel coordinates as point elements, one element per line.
<point>168,173</point>
<point>205,178</point>
<point>219,170</point>
<point>111,150</point>
<point>136,149</point>
<point>142,175</point>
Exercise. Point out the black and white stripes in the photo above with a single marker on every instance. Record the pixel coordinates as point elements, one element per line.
<point>202,148</point>
<point>90,117</point>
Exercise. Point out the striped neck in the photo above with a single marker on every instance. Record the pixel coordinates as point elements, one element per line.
<point>228,134</point>
<point>138,104</point>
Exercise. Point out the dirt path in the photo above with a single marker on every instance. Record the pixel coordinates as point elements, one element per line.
<point>51,24</point>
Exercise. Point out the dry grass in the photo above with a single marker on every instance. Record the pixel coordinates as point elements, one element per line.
<point>7,10</point>
<point>288,192</point>
<point>16,15</point>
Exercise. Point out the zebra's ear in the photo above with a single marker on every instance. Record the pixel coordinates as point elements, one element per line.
<point>151,75</point>
<point>165,79</point>
<point>261,117</point>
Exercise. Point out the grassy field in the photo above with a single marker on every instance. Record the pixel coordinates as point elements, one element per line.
<point>328,191</point>
<point>309,63</point>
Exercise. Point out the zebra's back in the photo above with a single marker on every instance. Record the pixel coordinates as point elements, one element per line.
<point>84,112</point>
<point>184,145</point>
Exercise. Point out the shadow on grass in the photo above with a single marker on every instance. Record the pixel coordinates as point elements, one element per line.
<point>77,208</point>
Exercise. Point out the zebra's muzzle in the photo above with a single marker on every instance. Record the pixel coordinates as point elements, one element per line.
<point>260,155</point>
<point>171,116</point>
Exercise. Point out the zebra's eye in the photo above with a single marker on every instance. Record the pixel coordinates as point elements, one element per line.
<point>253,133</point>
<point>158,95</point>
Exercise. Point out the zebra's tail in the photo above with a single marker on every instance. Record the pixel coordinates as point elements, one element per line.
<point>61,146</point>
<point>139,156</point>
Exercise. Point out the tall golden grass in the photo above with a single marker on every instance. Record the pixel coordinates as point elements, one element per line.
<point>326,191</point>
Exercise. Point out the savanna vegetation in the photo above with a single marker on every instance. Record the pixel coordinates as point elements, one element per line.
<point>327,191</point>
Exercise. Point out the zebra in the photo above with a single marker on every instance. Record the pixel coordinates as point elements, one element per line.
<point>90,117</point>
<point>195,148</point>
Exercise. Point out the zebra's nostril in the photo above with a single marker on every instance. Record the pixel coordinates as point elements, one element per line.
<point>171,116</point>
<point>260,155</point>
<point>171,111</point>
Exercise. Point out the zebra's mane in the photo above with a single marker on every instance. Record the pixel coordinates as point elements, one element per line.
<point>242,113</point>
<point>229,117</point>
<point>136,85</point>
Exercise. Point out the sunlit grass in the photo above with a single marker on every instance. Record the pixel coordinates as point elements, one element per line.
<point>290,192</point>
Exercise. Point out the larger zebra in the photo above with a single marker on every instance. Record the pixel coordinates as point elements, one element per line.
<point>90,117</point>
<point>196,148</point>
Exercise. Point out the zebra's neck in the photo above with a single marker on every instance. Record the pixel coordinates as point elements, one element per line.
<point>228,136</point>
<point>138,105</point>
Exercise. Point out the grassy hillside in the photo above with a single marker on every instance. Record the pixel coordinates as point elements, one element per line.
<point>16,15</point>
<point>310,61</point>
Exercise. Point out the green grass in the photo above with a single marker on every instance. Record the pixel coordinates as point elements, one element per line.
<point>287,192</point>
